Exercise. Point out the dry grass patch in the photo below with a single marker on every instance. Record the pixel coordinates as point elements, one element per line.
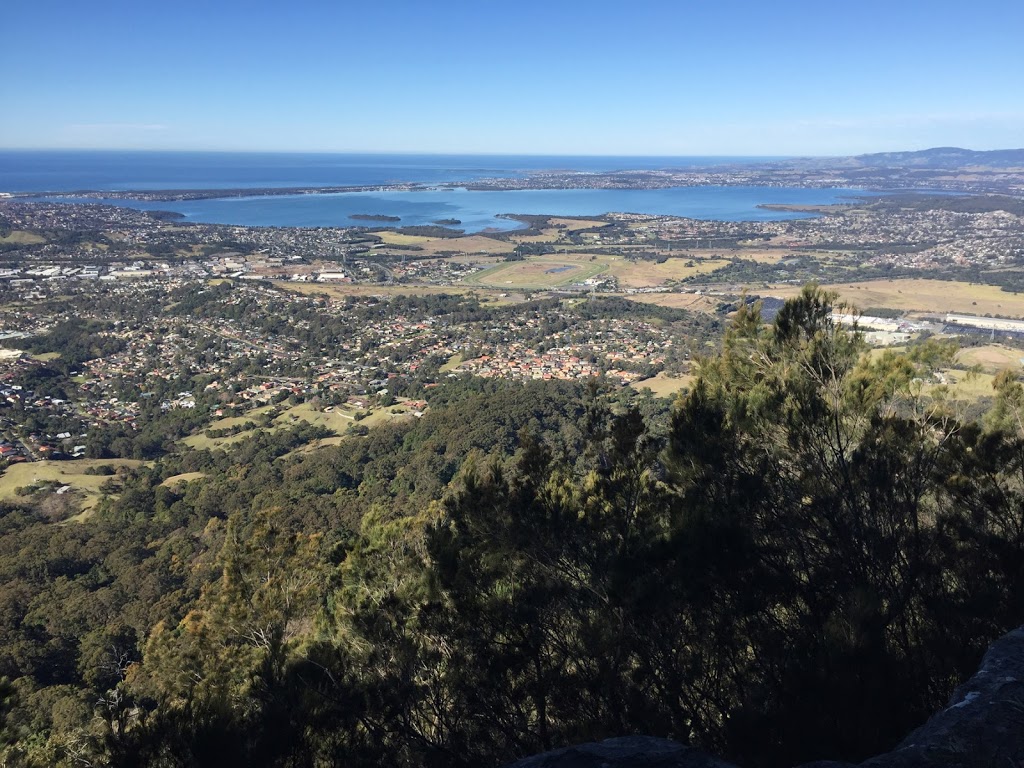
<point>538,274</point>
<point>991,358</point>
<point>969,385</point>
<point>397,238</point>
<point>202,442</point>
<point>645,274</point>
<point>935,296</point>
<point>470,244</point>
<point>176,481</point>
<point>65,472</point>
<point>664,385</point>
<point>557,228</point>
<point>237,421</point>
<point>691,301</point>
<point>364,289</point>
<point>575,225</point>
<point>453,362</point>
<point>340,417</point>
<point>21,237</point>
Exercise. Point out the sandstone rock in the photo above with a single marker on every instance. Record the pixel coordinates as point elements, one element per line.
<point>983,724</point>
<point>625,752</point>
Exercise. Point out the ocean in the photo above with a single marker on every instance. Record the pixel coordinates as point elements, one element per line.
<point>101,170</point>
<point>66,171</point>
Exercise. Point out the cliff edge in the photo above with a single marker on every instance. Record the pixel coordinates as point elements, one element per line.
<point>982,726</point>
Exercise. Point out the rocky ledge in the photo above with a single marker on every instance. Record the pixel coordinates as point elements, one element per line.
<point>983,726</point>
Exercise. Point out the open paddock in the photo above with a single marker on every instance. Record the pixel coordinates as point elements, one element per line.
<point>397,238</point>
<point>693,302</point>
<point>177,481</point>
<point>576,225</point>
<point>201,442</point>
<point>650,274</point>
<point>22,237</point>
<point>71,473</point>
<point>540,272</point>
<point>914,295</point>
<point>537,273</point>
<point>559,227</point>
<point>969,385</point>
<point>663,385</point>
<point>991,358</point>
<point>236,421</point>
<point>340,291</point>
<point>341,417</point>
<point>470,244</point>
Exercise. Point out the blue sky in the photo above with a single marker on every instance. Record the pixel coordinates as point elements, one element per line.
<point>554,77</point>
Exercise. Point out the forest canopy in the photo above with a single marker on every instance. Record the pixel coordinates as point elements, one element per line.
<point>799,559</point>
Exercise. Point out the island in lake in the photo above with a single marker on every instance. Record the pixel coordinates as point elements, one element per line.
<point>374,217</point>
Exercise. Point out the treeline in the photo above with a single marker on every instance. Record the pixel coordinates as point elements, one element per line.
<point>78,342</point>
<point>800,560</point>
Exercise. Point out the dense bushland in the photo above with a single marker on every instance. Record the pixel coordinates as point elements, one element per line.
<point>800,560</point>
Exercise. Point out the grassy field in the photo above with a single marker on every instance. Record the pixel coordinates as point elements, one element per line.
<point>337,419</point>
<point>691,301</point>
<point>932,296</point>
<point>340,418</point>
<point>966,385</point>
<point>471,244</point>
<point>664,385</point>
<point>537,273</point>
<point>235,421</point>
<point>21,237</point>
<point>176,481</point>
<point>340,291</point>
<point>453,362</point>
<point>991,358</point>
<point>575,225</point>
<point>533,272</point>
<point>66,472</point>
<point>557,228</point>
<point>648,274</point>
<point>202,442</point>
<point>397,238</point>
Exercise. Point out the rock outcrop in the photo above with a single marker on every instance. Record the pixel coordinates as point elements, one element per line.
<point>983,726</point>
<point>625,752</point>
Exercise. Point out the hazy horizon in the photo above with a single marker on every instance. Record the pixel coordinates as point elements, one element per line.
<point>538,78</point>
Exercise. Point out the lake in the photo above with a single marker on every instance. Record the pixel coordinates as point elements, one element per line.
<point>479,210</point>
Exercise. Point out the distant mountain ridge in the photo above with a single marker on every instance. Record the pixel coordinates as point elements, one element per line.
<point>942,157</point>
